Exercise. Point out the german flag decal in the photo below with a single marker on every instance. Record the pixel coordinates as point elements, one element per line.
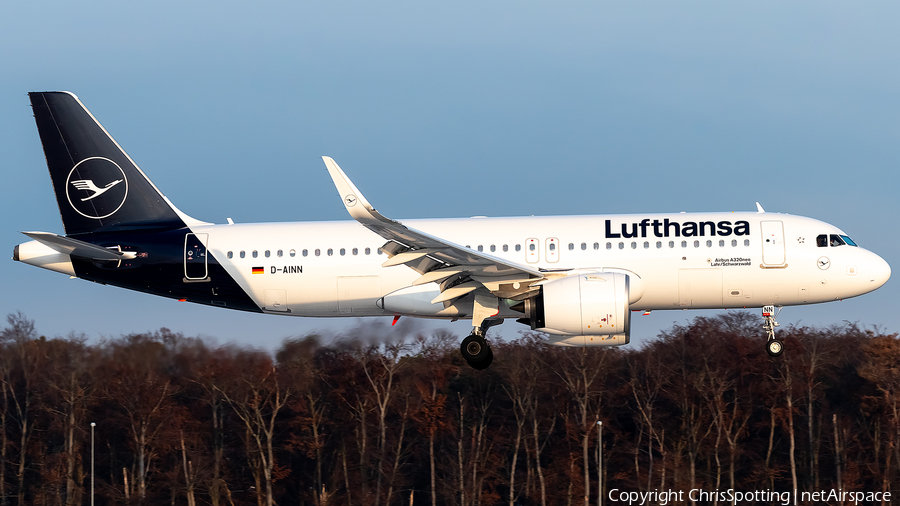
<point>258,270</point>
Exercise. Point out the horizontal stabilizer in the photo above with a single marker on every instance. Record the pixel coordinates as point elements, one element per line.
<point>76,248</point>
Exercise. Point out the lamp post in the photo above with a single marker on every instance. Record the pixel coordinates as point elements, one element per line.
<point>92,462</point>
<point>599,463</point>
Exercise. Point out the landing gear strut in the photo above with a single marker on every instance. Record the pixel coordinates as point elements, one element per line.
<point>774,347</point>
<point>475,348</point>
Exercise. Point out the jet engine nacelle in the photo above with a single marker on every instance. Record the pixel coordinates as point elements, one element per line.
<point>590,305</point>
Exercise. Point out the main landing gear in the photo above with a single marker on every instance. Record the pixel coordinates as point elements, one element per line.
<point>475,348</point>
<point>774,347</point>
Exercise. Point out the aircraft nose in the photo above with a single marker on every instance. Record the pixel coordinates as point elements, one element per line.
<point>880,272</point>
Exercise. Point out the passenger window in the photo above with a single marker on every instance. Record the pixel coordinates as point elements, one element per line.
<point>734,242</point>
<point>318,252</point>
<point>305,252</point>
<point>609,245</point>
<point>280,253</point>
<point>378,251</point>
<point>684,244</point>
<point>355,251</point>
<point>633,245</point>
<point>255,254</point>
<point>518,247</point>
<point>746,242</point>
<point>822,241</point>
<point>621,245</point>
<point>671,244</point>
<point>368,251</point>
<point>493,248</point>
<point>722,244</point>
<point>571,246</point>
<point>583,246</point>
<point>243,254</point>
<point>293,253</point>
<point>531,246</point>
<point>646,244</point>
<point>480,248</point>
<point>267,253</point>
<point>505,248</point>
<point>330,252</point>
<point>709,244</point>
<point>658,244</point>
<point>343,251</point>
<point>552,246</point>
<point>696,244</point>
<point>230,254</point>
<point>836,240</point>
<point>596,245</point>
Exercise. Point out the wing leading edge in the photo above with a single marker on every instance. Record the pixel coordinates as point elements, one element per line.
<point>458,270</point>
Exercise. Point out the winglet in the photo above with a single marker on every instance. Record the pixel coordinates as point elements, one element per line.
<point>354,201</point>
<point>759,208</point>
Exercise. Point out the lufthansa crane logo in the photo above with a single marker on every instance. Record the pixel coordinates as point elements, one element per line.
<point>350,200</point>
<point>96,187</point>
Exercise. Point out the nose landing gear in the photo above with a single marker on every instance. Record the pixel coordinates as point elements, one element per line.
<point>774,347</point>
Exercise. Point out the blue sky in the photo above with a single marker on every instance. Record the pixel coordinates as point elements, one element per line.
<point>457,109</point>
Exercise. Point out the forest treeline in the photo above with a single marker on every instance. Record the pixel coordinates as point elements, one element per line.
<point>702,406</point>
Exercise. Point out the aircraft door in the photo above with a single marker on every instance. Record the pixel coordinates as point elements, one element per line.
<point>532,251</point>
<point>195,266</point>
<point>552,249</point>
<point>772,243</point>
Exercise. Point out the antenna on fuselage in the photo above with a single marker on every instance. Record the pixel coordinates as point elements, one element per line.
<point>759,208</point>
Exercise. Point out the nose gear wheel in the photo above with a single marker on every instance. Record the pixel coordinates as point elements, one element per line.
<point>775,348</point>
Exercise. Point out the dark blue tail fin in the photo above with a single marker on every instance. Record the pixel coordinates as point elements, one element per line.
<point>98,187</point>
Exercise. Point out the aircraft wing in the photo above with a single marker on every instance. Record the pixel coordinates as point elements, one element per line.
<point>76,248</point>
<point>436,259</point>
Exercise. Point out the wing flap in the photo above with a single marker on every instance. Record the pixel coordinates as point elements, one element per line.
<point>457,291</point>
<point>408,257</point>
<point>438,275</point>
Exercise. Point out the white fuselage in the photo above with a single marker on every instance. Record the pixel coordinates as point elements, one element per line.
<point>326,269</point>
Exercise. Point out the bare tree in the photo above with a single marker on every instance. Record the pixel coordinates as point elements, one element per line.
<point>257,394</point>
<point>21,374</point>
<point>583,372</point>
<point>646,382</point>
<point>882,368</point>
<point>134,380</point>
<point>70,391</point>
<point>431,378</point>
<point>381,370</point>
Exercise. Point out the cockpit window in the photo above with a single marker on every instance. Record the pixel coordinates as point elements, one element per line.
<point>822,241</point>
<point>836,240</point>
<point>848,240</point>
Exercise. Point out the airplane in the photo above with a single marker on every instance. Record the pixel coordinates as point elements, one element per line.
<point>576,278</point>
